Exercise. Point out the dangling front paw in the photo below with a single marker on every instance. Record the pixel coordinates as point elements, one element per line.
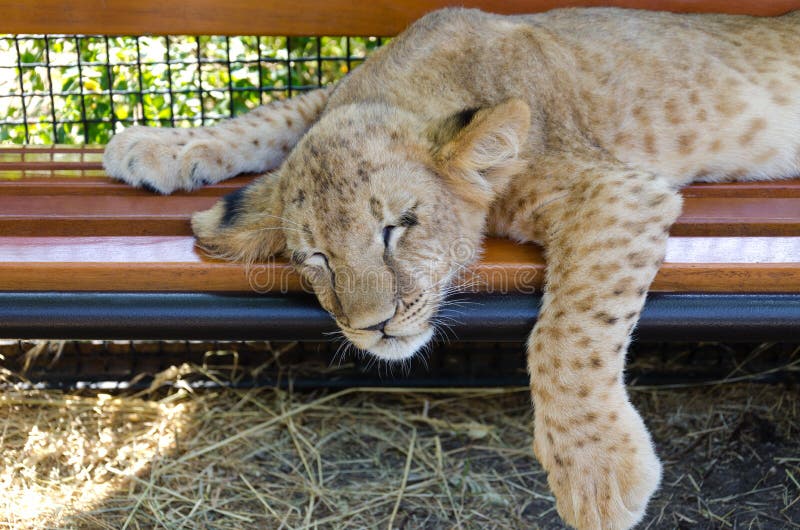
<point>601,466</point>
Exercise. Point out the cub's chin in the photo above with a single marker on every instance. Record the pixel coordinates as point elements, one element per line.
<point>394,348</point>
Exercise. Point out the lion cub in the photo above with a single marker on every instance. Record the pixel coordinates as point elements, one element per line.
<point>572,128</point>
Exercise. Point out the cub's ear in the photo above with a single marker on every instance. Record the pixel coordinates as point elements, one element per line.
<point>477,151</point>
<point>244,225</point>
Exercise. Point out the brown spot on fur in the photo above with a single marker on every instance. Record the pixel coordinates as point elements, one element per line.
<point>583,391</point>
<point>756,125</point>
<point>637,259</point>
<point>672,112</point>
<point>650,144</point>
<point>376,208</point>
<point>640,114</point>
<point>686,142</point>
<point>554,332</point>
<point>728,105</point>
<point>606,318</point>
<point>586,304</point>
<point>622,139</point>
<point>766,156</point>
<point>716,146</point>
<point>596,362</point>
<point>781,99</point>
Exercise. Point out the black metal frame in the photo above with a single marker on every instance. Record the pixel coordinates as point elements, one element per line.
<point>495,318</point>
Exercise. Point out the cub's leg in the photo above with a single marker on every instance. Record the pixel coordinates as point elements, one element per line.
<point>605,236</point>
<point>165,159</point>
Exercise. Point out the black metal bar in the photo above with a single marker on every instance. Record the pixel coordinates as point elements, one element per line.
<point>200,81</point>
<point>260,65</point>
<point>110,81</point>
<point>231,108</point>
<point>496,318</point>
<point>22,90</point>
<point>289,66</point>
<point>50,89</point>
<point>170,90</point>
<point>80,88</point>
<point>140,92</point>
<point>349,55</point>
<point>319,61</point>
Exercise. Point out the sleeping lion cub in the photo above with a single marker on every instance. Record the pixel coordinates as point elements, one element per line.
<point>573,128</point>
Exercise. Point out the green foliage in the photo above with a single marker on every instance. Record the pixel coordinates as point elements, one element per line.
<point>83,89</point>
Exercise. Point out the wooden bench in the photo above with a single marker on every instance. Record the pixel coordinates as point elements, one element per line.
<point>82,256</point>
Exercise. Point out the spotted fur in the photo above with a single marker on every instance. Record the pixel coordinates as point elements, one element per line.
<point>572,128</point>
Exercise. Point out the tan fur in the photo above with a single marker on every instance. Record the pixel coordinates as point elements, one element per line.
<point>573,128</point>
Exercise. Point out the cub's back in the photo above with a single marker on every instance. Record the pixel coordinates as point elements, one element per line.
<point>697,97</point>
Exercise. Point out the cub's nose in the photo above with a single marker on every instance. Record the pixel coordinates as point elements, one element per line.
<point>377,327</point>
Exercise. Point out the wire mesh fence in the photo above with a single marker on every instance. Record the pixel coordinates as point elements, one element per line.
<point>82,89</point>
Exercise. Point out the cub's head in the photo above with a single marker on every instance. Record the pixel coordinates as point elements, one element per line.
<point>378,212</point>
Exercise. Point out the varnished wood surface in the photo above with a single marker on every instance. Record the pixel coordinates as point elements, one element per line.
<point>173,263</point>
<point>62,191</point>
<point>288,17</point>
<point>65,226</point>
<point>32,167</point>
<point>119,215</point>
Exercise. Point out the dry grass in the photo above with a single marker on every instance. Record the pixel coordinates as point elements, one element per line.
<point>365,458</point>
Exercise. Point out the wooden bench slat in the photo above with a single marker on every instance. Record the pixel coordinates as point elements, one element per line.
<point>181,249</point>
<point>142,213</point>
<point>47,170</point>
<point>289,17</point>
<point>21,179</point>
<point>175,264</point>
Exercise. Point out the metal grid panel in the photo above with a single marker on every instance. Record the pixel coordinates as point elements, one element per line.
<point>125,364</point>
<point>82,89</point>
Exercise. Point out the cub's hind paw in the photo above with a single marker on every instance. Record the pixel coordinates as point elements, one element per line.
<point>601,481</point>
<point>165,160</point>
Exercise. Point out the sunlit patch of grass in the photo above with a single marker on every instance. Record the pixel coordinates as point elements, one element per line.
<point>63,454</point>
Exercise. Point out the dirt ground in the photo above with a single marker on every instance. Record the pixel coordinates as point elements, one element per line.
<point>183,456</point>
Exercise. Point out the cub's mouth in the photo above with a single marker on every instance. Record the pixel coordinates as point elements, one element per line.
<point>390,347</point>
<point>402,336</point>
